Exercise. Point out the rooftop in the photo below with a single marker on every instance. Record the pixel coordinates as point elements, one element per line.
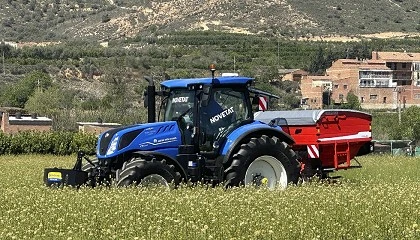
<point>396,56</point>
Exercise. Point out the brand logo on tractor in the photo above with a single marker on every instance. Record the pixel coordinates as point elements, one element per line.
<point>222,115</point>
<point>159,141</point>
<point>180,100</point>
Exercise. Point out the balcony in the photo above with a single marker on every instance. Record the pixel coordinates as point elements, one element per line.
<point>374,76</point>
<point>375,83</point>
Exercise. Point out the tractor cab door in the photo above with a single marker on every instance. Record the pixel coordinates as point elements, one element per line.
<point>227,108</point>
<point>179,107</point>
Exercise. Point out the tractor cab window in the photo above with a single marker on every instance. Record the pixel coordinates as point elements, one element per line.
<point>180,102</point>
<point>227,108</point>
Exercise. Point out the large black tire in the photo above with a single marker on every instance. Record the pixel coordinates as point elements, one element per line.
<point>262,148</point>
<point>138,170</point>
<point>88,167</point>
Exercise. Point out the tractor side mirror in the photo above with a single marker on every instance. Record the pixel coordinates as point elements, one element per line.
<point>205,97</point>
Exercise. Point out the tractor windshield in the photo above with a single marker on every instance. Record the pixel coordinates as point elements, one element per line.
<point>180,102</point>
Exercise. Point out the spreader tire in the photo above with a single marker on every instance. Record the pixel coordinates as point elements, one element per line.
<point>143,172</point>
<point>264,160</point>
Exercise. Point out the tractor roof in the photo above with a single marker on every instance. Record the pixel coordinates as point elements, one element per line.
<point>184,82</point>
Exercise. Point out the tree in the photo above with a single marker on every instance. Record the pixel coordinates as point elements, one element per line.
<point>105,18</point>
<point>317,65</point>
<point>291,101</point>
<point>16,95</point>
<point>50,100</point>
<point>410,123</point>
<point>118,95</point>
<point>5,49</point>
<point>352,102</point>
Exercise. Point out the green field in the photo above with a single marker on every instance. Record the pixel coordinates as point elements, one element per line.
<point>379,201</point>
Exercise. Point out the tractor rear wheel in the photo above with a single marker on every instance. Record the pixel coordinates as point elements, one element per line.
<point>263,161</point>
<point>147,173</point>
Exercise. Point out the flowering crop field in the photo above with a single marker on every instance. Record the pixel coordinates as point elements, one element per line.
<point>379,201</point>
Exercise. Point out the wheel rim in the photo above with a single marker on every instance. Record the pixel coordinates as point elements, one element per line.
<point>266,171</point>
<point>154,180</point>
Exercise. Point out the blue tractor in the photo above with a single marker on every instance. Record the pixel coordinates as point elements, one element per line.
<point>207,134</point>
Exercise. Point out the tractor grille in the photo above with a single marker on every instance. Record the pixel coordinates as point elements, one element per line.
<point>106,139</point>
<point>127,138</point>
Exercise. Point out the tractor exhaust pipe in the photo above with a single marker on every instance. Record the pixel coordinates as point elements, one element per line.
<point>151,102</point>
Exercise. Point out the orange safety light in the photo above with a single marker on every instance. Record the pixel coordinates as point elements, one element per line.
<point>212,67</point>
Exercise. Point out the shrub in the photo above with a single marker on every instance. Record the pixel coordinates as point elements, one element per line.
<point>58,143</point>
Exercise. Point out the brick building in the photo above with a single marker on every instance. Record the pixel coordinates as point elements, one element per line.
<point>387,80</point>
<point>96,127</point>
<point>13,123</point>
<point>292,74</point>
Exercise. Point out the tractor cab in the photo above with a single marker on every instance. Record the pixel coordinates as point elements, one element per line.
<point>225,107</point>
<point>206,109</point>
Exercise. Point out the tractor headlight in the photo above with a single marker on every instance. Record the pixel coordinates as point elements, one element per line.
<point>113,146</point>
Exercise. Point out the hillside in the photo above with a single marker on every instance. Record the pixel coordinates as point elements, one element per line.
<point>101,20</point>
<point>96,52</point>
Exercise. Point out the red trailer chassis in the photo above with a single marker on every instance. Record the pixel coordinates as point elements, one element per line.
<point>325,140</point>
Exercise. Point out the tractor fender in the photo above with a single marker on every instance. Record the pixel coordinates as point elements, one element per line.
<point>169,160</point>
<point>244,133</point>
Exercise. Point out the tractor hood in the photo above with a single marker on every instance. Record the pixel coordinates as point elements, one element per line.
<point>141,137</point>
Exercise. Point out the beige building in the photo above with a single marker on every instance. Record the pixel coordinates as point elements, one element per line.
<point>96,127</point>
<point>387,80</point>
<point>16,123</point>
<point>292,74</point>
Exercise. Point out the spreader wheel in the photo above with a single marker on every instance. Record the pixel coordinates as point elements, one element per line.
<point>265,161</point>
<point>147,173</point>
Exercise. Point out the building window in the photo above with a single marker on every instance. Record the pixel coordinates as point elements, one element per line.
<point>345,86</point>
<point>404,65</point>
<point>336,86</point>
<point>341,96</point>
<point>417,96</point>
<point>367,83</point>
<point>373,97</point>
<point>384,100</point>
<point>362,99</point>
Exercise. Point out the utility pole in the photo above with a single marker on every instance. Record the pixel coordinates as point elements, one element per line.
<point>4,70</point>
<point>399,90</point>
<point>278,53</point>
<point>2,51</point>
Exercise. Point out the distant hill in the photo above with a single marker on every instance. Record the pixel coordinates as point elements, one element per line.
<point>101,20</point>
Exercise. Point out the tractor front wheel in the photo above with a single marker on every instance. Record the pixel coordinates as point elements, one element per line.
<point>263,161</point>
<point>89,168</point>
<point>147,173</point>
